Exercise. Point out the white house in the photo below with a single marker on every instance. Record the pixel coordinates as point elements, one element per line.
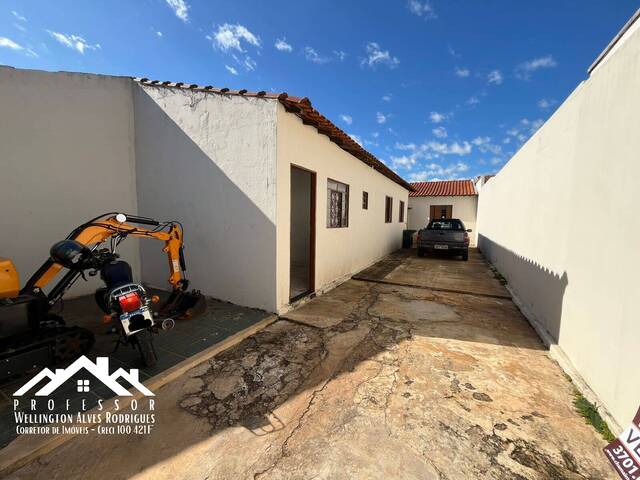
<point>276,201</point>
<point>448,199</point>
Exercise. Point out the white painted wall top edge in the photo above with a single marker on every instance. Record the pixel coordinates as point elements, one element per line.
<point>299,106</point>
<point>621,37</point>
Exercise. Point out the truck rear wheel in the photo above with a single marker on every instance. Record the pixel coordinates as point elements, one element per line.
<point>420,252</point>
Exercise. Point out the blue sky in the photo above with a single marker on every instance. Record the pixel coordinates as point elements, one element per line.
<point>436,89</point>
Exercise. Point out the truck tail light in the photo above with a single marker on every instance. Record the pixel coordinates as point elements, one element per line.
<point>466,238</point>
<point>130,302</point>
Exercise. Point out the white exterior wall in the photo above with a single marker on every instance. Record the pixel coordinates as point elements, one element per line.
<point>560,221</point>
<point>209,161</point>
<point>66,156</point>
<point>464,208</point>
<point>339,251</point>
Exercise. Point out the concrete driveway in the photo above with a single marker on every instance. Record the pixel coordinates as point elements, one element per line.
<point>371,380</point>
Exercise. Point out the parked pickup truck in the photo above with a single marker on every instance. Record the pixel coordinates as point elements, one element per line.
<point>446,236</point>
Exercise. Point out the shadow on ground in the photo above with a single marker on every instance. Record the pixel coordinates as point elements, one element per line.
<point>221,320</point>
<point>371,380</point>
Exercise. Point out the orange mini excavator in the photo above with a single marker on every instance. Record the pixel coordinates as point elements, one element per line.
<point>91,248</point>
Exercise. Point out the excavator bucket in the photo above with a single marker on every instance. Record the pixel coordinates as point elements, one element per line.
<point>183,305</point>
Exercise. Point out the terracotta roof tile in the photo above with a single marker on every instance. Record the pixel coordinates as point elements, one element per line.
<point>301,107</point>
<point>446,188</point>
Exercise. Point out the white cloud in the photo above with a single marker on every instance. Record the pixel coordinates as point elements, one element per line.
<point>405,146</point>
<point>387,97</point>
<point>485,146</point>
<point>314,57</point>
<point>8,43</point>
<point>381,117</point>
<point>546,103</point>
<point>422,176</point>
<point>356,139</point>
<point>454,148</point>
<point>340,55</point>
<point>22,18</point>
<point>346,119</point>
<point>282,45</point>
<point>440,132</point>
<point>525,69</point>
<point>75,42</point>
<point>495,77</point>
<point>377,56</point>
<point>433,149</point>
<point>453,53</point>
<point>159,33</point>
<point>422,9</point>
<point>232,37</point>
<point>437,117</point>
<point>231,70</point>
<point>472,101</point>
<point>180,8</point>
<point>435,171</point>
<point>462,72</point>
<point>249,63</point>
<point>405,161</point>
<point>524,129</point>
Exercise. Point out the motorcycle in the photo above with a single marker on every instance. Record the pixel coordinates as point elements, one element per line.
<point>125,302</point>
<point>129,305</point>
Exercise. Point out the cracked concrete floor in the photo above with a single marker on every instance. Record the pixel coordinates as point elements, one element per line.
<point>368,381</point>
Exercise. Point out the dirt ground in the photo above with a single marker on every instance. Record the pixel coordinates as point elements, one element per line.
<point>371,380</point>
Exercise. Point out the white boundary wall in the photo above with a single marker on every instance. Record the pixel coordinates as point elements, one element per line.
<point>66,156</point>
<point>560,222</point>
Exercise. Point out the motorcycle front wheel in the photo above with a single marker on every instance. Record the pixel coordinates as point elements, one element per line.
<point>144,343</point>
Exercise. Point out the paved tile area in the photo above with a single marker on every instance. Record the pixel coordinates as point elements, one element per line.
<point>187,338</point>
<point>373,380</point>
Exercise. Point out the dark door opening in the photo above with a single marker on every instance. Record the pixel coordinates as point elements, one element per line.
<point>302,233</point>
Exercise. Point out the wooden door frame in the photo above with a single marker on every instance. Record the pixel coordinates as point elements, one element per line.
<point>312,233</point>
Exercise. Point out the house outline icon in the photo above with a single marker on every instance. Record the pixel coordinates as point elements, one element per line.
<point>99,369</point>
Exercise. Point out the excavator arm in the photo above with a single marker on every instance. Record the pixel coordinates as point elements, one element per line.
<point>117,227</point>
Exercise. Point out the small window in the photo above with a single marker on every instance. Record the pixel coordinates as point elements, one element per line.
<point>337,204</point>
<point>401,214</point>
<point>365,200</point>
<point>388,209</point>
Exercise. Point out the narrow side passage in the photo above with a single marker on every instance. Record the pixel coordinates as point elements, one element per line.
<point>368,381</point>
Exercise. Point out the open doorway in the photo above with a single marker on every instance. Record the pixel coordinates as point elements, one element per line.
<point>302,233</point>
